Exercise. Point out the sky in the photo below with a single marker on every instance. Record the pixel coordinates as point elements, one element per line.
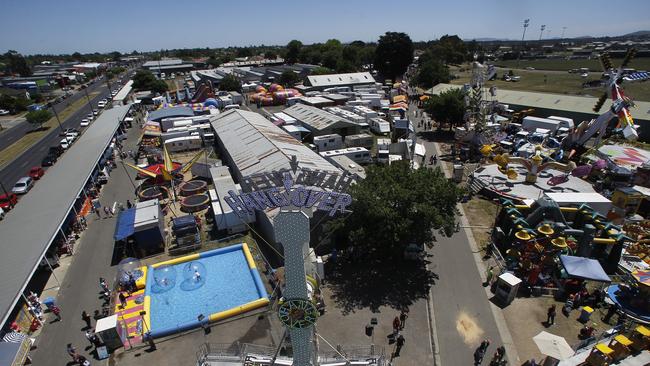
<point>55,27</point>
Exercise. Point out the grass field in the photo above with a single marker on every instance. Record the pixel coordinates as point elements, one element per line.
<point>18,147</point>
<point>559,83</point>
<point>640,63</point>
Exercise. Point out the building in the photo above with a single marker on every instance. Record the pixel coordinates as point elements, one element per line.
<point>168,66</point>
<point>163,113</point>
<point>320,122</point>
<point>251,146</point>
<point>575,107</point>
<point>320,82</point>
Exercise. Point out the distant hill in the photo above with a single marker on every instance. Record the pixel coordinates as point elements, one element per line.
<point>643,33</point>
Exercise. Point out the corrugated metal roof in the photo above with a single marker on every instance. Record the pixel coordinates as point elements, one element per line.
<point>170,112</point>
<point>32,225</point>
<point>167,62</point>
<point>560,102</point>
<point>256,145</point>
<point>352,78</point>
<point>315,118</point>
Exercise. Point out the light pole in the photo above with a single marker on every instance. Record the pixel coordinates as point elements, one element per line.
<point>147,334</point>
<point>57,116</point>
<point>88,99</point>
<point>563,30</point>
<point>526,23</point>
<point>541,32</point>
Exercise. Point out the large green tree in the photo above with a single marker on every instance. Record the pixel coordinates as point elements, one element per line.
<point>288,78</point>
<point>394,208</point>
<point>230,83</point>
<point>447,107</point>
<point>293,50</point>
<point>431,73</point>
<point>37,118</point>
<point>393,54</point>
<point>16,64</point>
<point>145,80</point>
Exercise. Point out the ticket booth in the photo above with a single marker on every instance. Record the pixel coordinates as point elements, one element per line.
<point>108,329</point>
<point>507,287</point>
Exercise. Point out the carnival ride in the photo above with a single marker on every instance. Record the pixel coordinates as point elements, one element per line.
<point>203,92</point>
<point>275,95</point>
<point>533,165</point>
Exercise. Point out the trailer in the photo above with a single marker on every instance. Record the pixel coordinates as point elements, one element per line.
<point>379,126</point>
<point>359,155</point>
<point>193,142</point>
<point>359,140</point>
<point>328,142</point>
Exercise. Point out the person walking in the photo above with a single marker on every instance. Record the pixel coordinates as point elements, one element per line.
<point>398,345</point>
<point>610,313</point>
<point>56,311</point>
<point>89,336</point>
<point>122,299</point>
<point>550,315</point>
<point>129,204</point>
<point>396,325</point>
<point>86,318</point>
<point>107,211</point>
<point>403,315</point>
<point>72,352</point>
<point>489,275</point>
<point>98,213</point>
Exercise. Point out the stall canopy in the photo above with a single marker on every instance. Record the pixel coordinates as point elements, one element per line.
<point>125,226</point>
<point>584,268</point>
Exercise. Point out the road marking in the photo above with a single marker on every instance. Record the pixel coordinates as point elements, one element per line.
<point>24,164</point>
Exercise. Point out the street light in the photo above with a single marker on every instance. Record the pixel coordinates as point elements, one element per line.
<point>56,115</point>
<point>147,334</point>
<point>526,24</point>
<point>541,32</point>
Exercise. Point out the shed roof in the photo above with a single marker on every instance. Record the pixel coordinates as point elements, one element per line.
<point>352,78</point>
<point>22,247</point>
<point>315,118</point>
<point>170,112</point>
<point>256,145</point>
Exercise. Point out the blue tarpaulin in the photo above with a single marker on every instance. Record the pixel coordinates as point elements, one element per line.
<point>124,227</point>
<point>584,268</point>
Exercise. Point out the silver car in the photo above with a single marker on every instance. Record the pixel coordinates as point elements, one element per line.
<point>23,185</point>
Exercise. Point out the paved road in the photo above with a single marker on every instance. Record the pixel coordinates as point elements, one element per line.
<point>11,172</point>
<point>462,311</point>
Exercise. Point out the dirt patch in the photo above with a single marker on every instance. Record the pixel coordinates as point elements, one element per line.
<point>480,214</point>
<point>468,328</point>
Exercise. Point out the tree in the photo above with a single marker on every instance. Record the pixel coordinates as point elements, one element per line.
<point>213,61</point>
<point>244,52</point>
<point>288,78</point>
<point>431,73</point>
<point>115,55</point>
<point>270,55</point>
<point>447,107</point>
<point>158,86</point>
<point>38,117</point>
<point>394,208</point>
<point>145,80</point>
<point>16,63</point>
<point>393,55</point>
<point>321,71</point>
<point>293,49</point>
<point>230,83</point>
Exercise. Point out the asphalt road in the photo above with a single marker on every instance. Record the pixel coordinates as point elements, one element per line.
<point>20,166</point>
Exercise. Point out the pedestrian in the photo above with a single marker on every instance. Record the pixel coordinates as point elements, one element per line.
<point>86,318</point>
<point>112,210</point>
<point>129,204</point>
<point>96,340</point>
<point>568,305</point>
<point>98,213</point>
<point>610,313</point>
<point>89,336</point>
<point>122,299</point>
<point>56,311</point>
<point>107,211</point>
<point>403,315</point>
<point>435,159</point>
<point>399,344</point>
<point>102,284</point>
<point>550,315</point>
<point>72,352</point>
<point>120,206</point>
<point>396,325</point>
<point>488,276</point>
<point>501,353</point>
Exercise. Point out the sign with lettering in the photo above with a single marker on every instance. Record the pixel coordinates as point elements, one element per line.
<point>284,189</point>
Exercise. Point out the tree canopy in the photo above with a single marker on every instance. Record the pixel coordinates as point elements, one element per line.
<point>392,208</point>
<point>293,49</point>
<point>288,78</point>
<point>230,83</point>
<point>430,73</point>
<point>16,64</point>
<point>38,117</point>
<point>447,107</point>
<point>145,80</point>
<point>393,54</point>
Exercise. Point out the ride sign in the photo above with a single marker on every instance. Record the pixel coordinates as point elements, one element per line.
<point>246,204</point>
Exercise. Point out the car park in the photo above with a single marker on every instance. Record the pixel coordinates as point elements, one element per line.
<point>49,159</point>
<point>84,122</point>
<point>23,185</point>
<point>36,173</point>
<point>8,201</point>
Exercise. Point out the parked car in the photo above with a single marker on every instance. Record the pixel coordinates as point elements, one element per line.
<point>84,122</point>
<point>90,116</point>
<point>66,142</point>
<point>50,159</point>
<point>4,112</point>
<point>95,112</point>
<point>23,185</point>
<point>8,201</point>
<point>55,150</point>
<point>36,172</point>
<point>69,130</point>
<point>2,213</point>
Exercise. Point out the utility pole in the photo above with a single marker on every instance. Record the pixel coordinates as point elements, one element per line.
<point>526,23</point>
<point>563,30</point>
<point>541,32</point>
<point>88,99</point>
<point>57,116</point>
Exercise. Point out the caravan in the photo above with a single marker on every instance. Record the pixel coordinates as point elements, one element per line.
<point>379,126</point>
<point>359,155</point>
<point>192,142</point>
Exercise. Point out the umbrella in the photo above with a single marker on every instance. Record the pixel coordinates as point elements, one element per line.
<point>553,346</point>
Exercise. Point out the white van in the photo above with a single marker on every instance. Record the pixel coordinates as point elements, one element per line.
<point>230,106</point>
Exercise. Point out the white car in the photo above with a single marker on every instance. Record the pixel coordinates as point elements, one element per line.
<point>72,136</point>
<point>95,112</point>
<point>90,116</point>
<point>100,105</point>
<point>66,142</point>
<point>84,122</point>
<point>4,112</point>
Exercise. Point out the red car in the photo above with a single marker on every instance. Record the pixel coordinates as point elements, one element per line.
<point>36,172</point>
<point>8,201</point>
